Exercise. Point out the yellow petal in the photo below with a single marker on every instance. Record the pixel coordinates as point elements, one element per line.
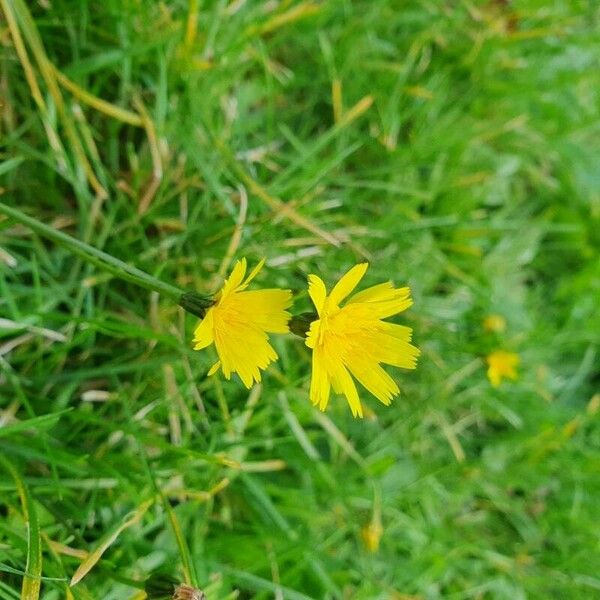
<point>347,283</point>
<point>252,275</point>
<point>382,305</point>
<point>243,349</point>
<point>312,337</point>
<point>393,347</point>
<point>374,379</point>
<point>267,308</point>
<point>235,279</point>
<point>389,308</point>
<point>319,384</point>
<point>381,291</point>
<point>203,334</point>
<point>214,368</point>
<point>351,394</point>
<point>342,382</point>
<point>317,292</point>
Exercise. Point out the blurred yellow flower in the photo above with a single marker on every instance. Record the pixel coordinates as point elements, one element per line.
<point>371,535</point>
<point>353,339</point>
<point>501,364</point>
<point>238,323</point>
<point>494,323</point>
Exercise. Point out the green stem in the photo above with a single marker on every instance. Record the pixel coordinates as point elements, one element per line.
<point>97,257</point>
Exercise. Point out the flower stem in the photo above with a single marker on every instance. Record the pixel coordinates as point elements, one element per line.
<point>97,257</point>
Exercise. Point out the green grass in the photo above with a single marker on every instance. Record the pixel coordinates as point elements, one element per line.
<point>473,177</point>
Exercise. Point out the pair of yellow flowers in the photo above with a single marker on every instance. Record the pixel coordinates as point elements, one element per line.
<point>347,341</point>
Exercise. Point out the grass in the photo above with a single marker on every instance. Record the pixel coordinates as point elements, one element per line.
<point>453,145</point>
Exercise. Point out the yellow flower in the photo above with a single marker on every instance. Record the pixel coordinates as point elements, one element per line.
<point>238,323</point>
<point>494,323</point>
<point>501,364</point>
<point>353,339</point>
<point>371,535</point>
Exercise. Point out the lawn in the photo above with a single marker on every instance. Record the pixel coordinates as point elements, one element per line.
<point>453,145</point>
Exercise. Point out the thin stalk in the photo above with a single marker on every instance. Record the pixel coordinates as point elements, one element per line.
<point>101,259</point>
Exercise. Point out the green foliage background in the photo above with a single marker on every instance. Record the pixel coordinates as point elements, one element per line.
<point>469,170</point>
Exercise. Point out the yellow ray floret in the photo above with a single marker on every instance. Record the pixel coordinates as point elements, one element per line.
<point>238,323</point>
<point>502,364</point>
<point>352,341</point>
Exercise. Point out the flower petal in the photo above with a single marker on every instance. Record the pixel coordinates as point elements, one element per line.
<point>383,300</point>
<point>374,379</point>
<point>394,348</point>
<point>243,349</point>
<point>317,292</point>
<point>380,293</point>
<point>312,337</point>
<point>252,275</point>
<point>320,385</point>
<point>267,308</point>
<point>203,334</point>
<point>347,283</point>
<point>349,390</point>
<point>214,368</point>
<point>342,382</point>
<point>235,279</point>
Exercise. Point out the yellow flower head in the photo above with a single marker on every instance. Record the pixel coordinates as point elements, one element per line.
<point>238,323</point>
<point>494,323</point>
<point>501,364</point>
<point>371,535</point>
<point>353,339</point>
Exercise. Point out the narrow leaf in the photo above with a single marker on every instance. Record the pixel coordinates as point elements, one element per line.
<point>36,423</point>
<point>95,555</point>
<point>30,589</point>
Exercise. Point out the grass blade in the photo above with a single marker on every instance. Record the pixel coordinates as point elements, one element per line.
<point>37,423</point>
<point>33,569</point>
<point>108,540</point>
